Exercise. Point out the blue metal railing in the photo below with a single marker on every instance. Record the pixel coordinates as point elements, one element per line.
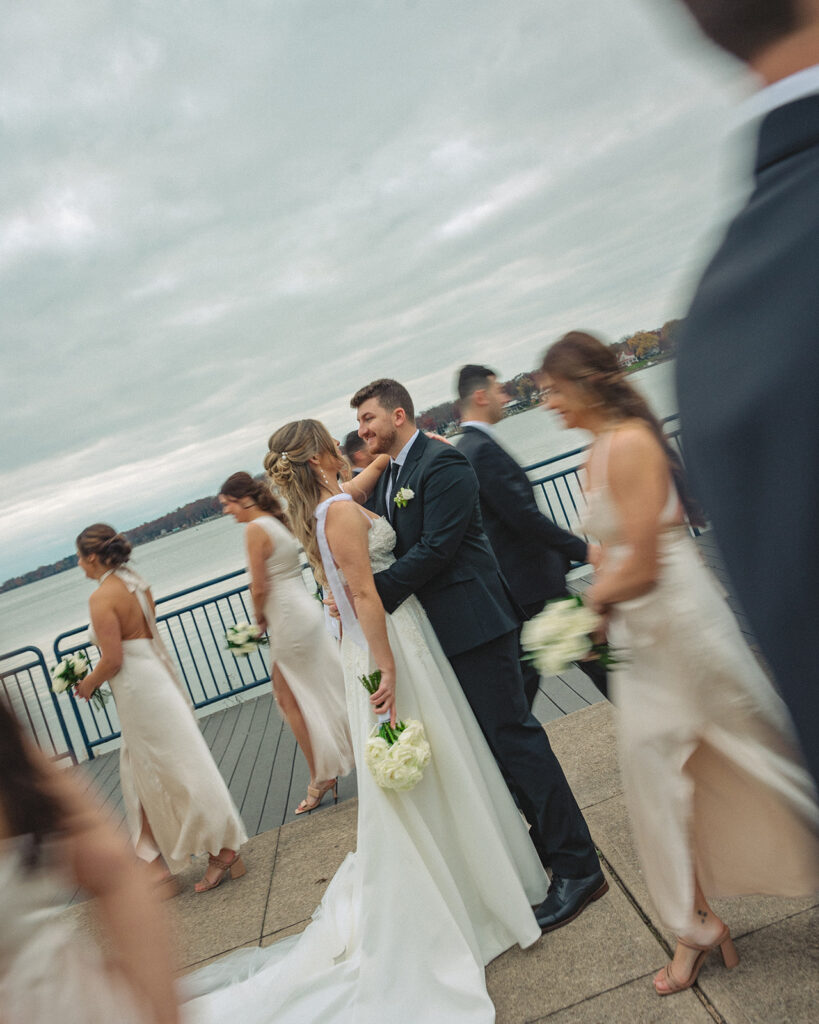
<point>194,634</point>
<point>25,685</point>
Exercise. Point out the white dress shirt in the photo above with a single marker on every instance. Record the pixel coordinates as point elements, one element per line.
<point>778,94</point>
<point>399,460</point>
<point>487,428</point>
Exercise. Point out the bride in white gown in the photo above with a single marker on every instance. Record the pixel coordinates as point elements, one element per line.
<point>444,876</point>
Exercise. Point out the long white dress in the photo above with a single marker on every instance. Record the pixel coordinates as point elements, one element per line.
<point>305,654</point>
<point>48,969</point>
<point>711,774</point>
<point>442,880</point>
<point>166,767</point>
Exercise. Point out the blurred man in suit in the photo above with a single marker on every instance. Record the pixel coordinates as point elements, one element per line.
<point>533,552</point>
<point>748,360</point>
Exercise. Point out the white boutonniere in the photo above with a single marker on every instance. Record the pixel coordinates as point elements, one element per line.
<point>403,496</point>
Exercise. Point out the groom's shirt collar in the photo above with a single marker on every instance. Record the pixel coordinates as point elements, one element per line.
<point>786,90</point>
<point>401,457</point>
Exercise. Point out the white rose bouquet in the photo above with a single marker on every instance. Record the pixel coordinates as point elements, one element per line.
<point>561,634</point>
<point>396,755</point>
<point>70,671</point>
<point>244,638</point>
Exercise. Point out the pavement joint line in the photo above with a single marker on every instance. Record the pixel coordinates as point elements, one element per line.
<point>649,924</point>
<point>270,884</point>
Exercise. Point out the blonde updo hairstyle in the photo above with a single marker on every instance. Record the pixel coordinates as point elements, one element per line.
<point>584,360</point>
<point>291,474</point>
<point>102,540</point>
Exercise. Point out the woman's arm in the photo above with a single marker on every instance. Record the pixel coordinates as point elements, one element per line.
<point>363,484</point>
<point>347,537</point>
<point>108,629</point>
<point>259,547</point>
<point>638,479</point>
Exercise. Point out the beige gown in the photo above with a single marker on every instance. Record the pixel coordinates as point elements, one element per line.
<point>50,970</point>
<point>711,774</point>
<point>166,767</point>
<point>305,654</point>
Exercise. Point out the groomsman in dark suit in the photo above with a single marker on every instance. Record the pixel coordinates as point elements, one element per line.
<point>533,552</point>
<point>359,458</point>
<point>430,495</point>
<point>748,360</point>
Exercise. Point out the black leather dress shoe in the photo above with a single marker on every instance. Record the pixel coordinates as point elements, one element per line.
<point>569,897</point>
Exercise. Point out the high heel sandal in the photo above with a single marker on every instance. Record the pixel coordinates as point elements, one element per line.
<point>236,867</point>
<point>315,794</point>
<point>729,957</point>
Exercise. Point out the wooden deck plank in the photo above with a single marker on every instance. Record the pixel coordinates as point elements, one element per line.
<point>261,771</point>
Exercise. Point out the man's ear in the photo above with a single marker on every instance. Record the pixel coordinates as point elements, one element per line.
<point>399,417</point>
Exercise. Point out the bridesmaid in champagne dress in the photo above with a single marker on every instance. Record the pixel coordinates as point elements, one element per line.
<point>719,799</point>
<point>305,667</point>
<point>177,804</point>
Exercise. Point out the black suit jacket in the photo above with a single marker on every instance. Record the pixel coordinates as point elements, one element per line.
<point>442,553</point>
<point>748,383</point>
<point>534,553</point>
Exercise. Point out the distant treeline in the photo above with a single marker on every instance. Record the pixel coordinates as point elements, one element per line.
<point>522,390</point>
<point>192,514</point>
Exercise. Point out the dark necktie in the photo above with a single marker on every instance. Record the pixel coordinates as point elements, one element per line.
<point>395,469</point>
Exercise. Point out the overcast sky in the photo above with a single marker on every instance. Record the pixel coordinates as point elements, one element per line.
<point>218,217</point>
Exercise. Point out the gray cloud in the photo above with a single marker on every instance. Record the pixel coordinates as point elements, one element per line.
<point>217,218</point>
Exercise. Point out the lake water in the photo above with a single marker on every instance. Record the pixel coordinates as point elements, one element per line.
<point>37,613</point>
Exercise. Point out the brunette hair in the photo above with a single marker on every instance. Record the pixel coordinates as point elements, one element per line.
<point>472,378</point>
<point>287,466</point>
<point>29,808</point>
<point>243,485</point>
<point>582,359</point>
<point>353,443</point>
<point>745,27</point>
<point>102,540</point>
<point>390,396</point>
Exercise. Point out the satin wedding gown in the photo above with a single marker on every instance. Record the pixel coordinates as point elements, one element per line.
<point>166,767</point>
<point>441,882</point>
<point>711,773</point>
<point>305,654</point>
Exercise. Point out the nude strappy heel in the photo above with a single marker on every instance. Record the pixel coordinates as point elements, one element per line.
<point>315,794</point>
<point>730,958</point>
<point>236,867</point>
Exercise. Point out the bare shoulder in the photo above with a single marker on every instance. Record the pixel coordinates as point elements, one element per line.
<point>634,441</point>
<point>347,514</point>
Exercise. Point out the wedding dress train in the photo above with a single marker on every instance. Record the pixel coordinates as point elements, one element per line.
<point>442,879</point>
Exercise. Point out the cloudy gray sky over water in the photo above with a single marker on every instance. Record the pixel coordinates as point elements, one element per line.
<point>218,217</point>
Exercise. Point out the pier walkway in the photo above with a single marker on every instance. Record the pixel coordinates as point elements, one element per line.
<point>597,969</point>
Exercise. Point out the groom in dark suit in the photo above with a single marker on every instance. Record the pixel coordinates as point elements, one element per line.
<point>534,553</point>
<point>748,360</point>
<point>430,495</point>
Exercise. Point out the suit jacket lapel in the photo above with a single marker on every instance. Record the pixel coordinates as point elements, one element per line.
<point>413,457</point>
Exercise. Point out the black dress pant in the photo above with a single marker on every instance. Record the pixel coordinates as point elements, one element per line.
<point>531,677</point>
<point>490,676</point>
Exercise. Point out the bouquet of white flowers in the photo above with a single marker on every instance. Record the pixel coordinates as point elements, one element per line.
<point>561,634</point>
<point>72,670</point>
<point>396,755</point>
<point>244,638</point>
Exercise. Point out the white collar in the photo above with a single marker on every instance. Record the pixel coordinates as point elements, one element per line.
<point>778,94</point>
<point>487,428</point>
<point>401,457</point>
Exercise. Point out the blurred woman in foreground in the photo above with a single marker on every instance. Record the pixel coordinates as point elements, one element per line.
<point>719,800</point>
<point>52,839</point>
